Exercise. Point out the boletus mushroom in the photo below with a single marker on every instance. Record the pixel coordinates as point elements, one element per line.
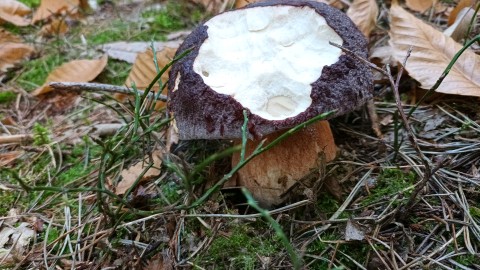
<point>272,59</point>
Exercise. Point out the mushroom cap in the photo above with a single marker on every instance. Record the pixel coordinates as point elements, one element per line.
<point>285,74</point>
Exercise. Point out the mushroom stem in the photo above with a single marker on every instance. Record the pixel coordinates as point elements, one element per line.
<point>270,175</point>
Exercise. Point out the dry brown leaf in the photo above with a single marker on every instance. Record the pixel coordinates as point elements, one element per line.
<point>55,28</point>
<point>12,50</point>
<point>364,14</point>
<point>48,8</point>
<point>432,52</point>
<point>144,71</point>
<point>6,159</point>
<point>14,12</point>
<point>130,175</point>
<point>459,28</point>
<point>461,5</point>
<point>419,5</point>
<point>73,71</point>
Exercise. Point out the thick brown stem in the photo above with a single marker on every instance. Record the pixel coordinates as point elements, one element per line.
<point>272,173</point>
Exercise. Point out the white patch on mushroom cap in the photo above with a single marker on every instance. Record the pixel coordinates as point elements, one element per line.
<point>267,57</point>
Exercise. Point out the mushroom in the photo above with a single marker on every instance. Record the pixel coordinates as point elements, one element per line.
<point>272,59</point>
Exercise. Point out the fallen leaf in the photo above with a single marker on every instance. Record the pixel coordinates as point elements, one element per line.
<point>128,51</point>
<point>130,175</point>
<point>144,71</point>
<point>12,51</point>
<point>14,12</point>
<point>432,52</point>
<point>364,14</point>
<point>353,232</point>
<point>13,241</point>
<point>459,28</point>
<point>73,71</point>
<point>7,158</point>
<point>419,5</point>
<point>461,5</point>
<point>56,27</point>
<point>48,8</point>
<point>384,53</point>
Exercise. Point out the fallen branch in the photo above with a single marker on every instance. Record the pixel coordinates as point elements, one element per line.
<point>100,87</point>
<point>15,138</point>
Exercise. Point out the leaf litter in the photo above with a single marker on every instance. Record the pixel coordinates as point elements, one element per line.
<point>357,226</point>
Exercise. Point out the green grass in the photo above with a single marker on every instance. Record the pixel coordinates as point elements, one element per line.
<point>35,71</point>
<point>7,96</point>
<point>115,73</point>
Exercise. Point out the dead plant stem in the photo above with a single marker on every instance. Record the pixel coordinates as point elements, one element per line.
<point>100,87</point>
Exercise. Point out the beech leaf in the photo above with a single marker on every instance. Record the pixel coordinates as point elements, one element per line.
<point>73,71</point>
<point>130,175</point>
<point>431,54</point>
<point>144,71</point>
<point>461,5</point>
<point>12,51</point>
<point>459,28</point>
<point>13,12</point>
<point>364,14</point>
<point>48,8</point>
<point>419,5</point>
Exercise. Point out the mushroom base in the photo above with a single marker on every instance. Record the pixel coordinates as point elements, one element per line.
<point>272,174</point>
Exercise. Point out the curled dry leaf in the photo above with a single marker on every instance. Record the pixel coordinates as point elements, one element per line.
<point>13,241</point>
<point>130,175</point>
<point>432,52</point>
<point>55,28</point>
<point>419,5</point>
<point>461,5</point>
<point>73,71</point>
<point>364,14</point>
<point>12,51</point>
<point>14,12</point>
<point>48,8</point>
<point>144,71</point>
<point>459,28</point>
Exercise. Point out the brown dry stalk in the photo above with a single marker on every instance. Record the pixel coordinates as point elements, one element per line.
<point>100,87</point>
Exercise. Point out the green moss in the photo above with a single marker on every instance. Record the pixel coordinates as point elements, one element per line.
<point>389,183</point>
<point>7,96</point>
<point>240,250</point>
<point>7,198</point>
<point>36,71</point>
<point>467,259</point>
<point>41,135</point>
<point>474,211</point>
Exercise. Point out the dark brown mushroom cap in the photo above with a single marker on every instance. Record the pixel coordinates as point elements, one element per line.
<point>202,113</point>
